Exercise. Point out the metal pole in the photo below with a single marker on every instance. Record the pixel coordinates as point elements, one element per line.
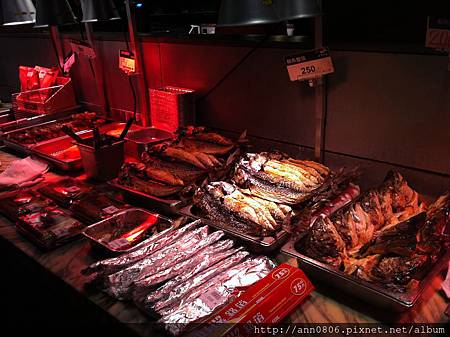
<point>142,92</point>
<point>56,37</point>
<point>98,71</point>
<point>319,95</point>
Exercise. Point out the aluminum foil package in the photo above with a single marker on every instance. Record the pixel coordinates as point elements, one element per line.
<point>119,284</point>
<point>144,249</point>
<point>182,293</point>
<point>215,293</point>
<point>208,260</point>
<point>205,257</point>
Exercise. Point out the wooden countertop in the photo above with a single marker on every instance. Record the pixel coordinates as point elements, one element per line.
<point>324,305</point>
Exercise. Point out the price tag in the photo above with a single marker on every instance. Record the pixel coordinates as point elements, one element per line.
<point>127,62</point>
<point>211,298</point>
<point>438,33</point>
<point>82,48</point>
<point>309,65</point>
<point>68,63</point>
<point>119,244</point>
<point>72,189</point>
<point>110,210</point>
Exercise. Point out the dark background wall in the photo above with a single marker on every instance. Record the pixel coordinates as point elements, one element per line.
<point>386,109</point>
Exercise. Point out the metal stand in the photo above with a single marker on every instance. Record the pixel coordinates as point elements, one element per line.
<point>143,95</point>
<point>98,71</point>
<point>56,37</point>
<point>319,96</point>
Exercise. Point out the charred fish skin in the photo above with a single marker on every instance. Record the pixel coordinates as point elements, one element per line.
<point>432,237</point>
<point>323,243</point>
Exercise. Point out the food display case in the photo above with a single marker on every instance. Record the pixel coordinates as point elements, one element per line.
<point>265,166</point>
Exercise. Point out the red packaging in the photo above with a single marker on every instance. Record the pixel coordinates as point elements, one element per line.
<point>267,301</point>
<point>47,78</point>
<point>29,79</point>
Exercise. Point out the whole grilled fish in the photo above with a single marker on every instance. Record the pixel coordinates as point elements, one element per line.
<point>226,204</point>
<point>278,178</point>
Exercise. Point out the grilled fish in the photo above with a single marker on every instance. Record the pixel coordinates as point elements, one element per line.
<point>225,203</point>
<point>278,178</point>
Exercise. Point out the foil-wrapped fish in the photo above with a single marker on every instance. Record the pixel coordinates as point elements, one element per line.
<point>119,284</point>
<point>226,204</point>
<point>196,263</point>
<point>184,289</point>
<point>214,293</point>
<point>145,248</point>
<point>278,178</point>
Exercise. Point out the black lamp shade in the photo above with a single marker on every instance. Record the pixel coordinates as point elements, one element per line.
<point>296,9</point>
<point>17,12</point>
<point>246,13</point>
<point>53,13</point>
<point>254,12</point>
<point>99,10</point>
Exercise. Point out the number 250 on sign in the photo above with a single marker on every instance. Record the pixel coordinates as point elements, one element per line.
<point>308,65</point>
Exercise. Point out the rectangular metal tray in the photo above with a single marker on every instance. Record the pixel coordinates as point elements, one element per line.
<point>46,148</point>
<point>27,148</point>
<point>94,231</point>
<point>262,245</point>
<point>366,291</point>
<point>165,206</point>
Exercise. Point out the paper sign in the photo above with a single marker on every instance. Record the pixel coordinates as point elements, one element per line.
<point>309,65</point>
<point>438,33</point>
<point>82,48</point>
<point>110,210</point>
<point>127,62</point>
<point>68,63</point>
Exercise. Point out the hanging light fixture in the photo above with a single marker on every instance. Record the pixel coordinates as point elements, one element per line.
<point>254,12</point>
<point>17,12</point>
<point>246,13</point>
<point>99,10</point>
<point>296,9</point>
<point>53,13</point>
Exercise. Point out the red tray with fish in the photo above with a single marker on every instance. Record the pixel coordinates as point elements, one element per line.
<point>384,247</point>
<point>23,139</point>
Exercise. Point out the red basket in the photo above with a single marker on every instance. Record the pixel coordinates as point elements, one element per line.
<point>172,107</point>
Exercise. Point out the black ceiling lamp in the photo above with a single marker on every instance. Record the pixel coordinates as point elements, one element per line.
<point>246,13</point>
<point>99,10</point>
<point>254,12</point>
<point>17,12</point>
<point>53,13</point>
<point>297,9</point>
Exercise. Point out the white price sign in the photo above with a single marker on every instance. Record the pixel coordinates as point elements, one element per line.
<point>309,65</point>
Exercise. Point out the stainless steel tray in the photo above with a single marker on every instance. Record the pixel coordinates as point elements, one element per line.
<point>26,148</point>
<point>165,206</point>
<point>366,291</point>
<point>137,141</point>
<point>263,245</point>
<point>130,217</point>
<point>48,148</point>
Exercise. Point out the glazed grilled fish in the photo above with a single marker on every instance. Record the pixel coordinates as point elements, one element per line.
<point>383,237</point>
<point>185,172</point>
<point>278,178</point>
<point>226,204</point>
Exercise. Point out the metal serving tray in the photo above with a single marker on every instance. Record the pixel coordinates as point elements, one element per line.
<point>132,216</point>
<point>26,148</point>
<point>366,291</point>
<point>48,148</point>
<point>262,245</point>
<point>137,141</point>
<point>165,206</point>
